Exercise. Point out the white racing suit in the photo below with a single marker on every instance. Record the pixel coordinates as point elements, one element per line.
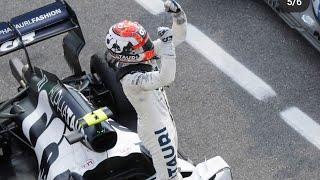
<point>156,128</point>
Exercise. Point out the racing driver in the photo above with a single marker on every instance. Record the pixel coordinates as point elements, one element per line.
<point>144,68</point>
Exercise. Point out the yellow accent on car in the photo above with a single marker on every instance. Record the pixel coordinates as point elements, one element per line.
<point>95,117</point>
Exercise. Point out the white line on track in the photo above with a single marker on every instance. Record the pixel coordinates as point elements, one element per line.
<point>218,57</point>
<point>293,116</point>
<point>227,64</point>
<point>303,124</point>
<point>153,6</point>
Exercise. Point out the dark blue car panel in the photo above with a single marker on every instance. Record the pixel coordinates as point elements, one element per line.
<point>39,24</point>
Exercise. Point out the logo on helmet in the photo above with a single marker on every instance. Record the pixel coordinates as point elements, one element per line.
<point>129,42</point>
<point>116,46</point>
<point>127,58</point>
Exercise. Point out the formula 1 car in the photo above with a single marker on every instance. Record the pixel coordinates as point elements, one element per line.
<point>306,22</point>
<point>80,127</point>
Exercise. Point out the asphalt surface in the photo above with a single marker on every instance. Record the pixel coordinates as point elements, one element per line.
<point>214,115</point>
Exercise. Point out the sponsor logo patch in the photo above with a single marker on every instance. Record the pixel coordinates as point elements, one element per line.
<point>168,151</point>
<point>32,20</point>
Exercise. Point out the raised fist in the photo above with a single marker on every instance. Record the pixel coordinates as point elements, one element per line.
<point>172,6</point>
<point>175,9</point>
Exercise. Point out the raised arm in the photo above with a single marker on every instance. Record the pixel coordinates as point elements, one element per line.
<point>165,49</point>
<point>166,74</point>
<point>179,23</point>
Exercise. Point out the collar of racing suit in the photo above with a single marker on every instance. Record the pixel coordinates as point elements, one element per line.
<point>130,69</point>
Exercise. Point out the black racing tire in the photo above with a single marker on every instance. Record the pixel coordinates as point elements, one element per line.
<point>126,115</point>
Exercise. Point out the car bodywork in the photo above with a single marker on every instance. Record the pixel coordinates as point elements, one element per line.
<point>305,22</point>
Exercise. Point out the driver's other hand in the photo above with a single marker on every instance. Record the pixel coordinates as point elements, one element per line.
<point>167,48</point>
<point>165,34</point>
